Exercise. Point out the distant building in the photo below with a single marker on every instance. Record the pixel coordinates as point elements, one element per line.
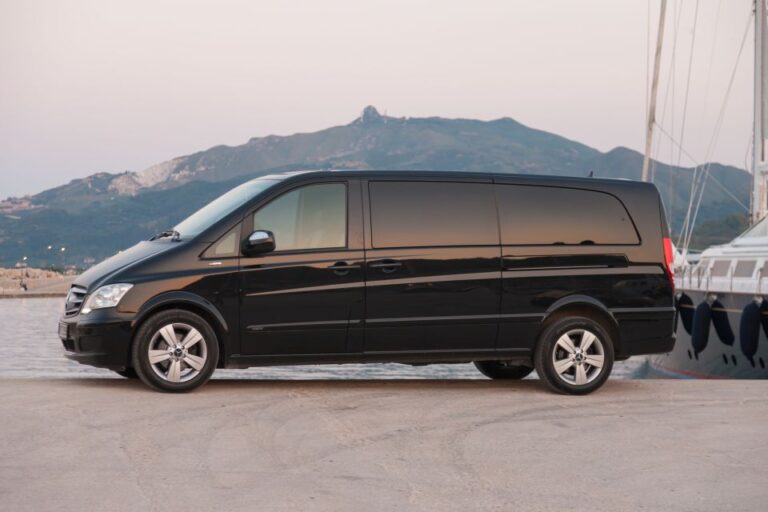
<point>16,204</point>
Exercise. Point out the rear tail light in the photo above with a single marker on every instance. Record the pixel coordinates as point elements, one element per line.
<point>669,259</point>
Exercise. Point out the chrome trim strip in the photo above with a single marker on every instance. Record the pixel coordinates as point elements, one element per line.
<point>261,327</point>
<point>454,317</point>
<point>476,276</point>
<point>522,315</point>
<point>307,289</point>
<point>669,309</point>
<point>556,267</point>
<point>502,316</point>
<point>644,269</point>
<point>387,282</point>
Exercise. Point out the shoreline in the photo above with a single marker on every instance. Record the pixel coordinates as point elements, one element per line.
<point>31,295</point>
<point>40,283</point>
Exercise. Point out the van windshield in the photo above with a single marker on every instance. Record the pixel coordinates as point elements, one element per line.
<point>223,205</point>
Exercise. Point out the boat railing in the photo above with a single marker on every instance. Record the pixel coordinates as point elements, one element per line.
<point>702,279</point>
<point>730,275</point>
<point>696,274</point>
<point>691,277</point>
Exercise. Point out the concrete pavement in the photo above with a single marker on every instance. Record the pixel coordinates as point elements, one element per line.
<point>93,444</point>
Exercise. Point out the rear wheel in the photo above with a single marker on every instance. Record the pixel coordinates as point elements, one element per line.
<point>175,351</point>
<point>574,355</point>
<point>503,370</point>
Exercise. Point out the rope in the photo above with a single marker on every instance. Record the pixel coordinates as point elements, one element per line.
<point>685,113</point>
<point>712,51</point>
<point>699,185</point>
<point>693,160</point>
<point>688,82</point>
<point>716,134</point>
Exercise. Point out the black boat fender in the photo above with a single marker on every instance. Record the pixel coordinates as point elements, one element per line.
<point>700,329</point>
<point>685,312</point>
<point>764,316</point>
<point>749,330</point>
<point>721,323</point>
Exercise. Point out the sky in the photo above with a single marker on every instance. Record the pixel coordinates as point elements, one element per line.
<point>95,86</point>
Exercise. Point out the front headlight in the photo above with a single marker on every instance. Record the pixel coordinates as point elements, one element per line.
<point>105,297</point>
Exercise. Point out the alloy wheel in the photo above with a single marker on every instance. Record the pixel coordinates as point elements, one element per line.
<point>177,352</point>
<point>578,357</point>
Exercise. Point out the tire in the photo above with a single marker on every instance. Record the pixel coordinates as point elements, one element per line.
<point>576,376</point>
<point>500,370</point>
<point>128,373</point>
<point>184,351</point>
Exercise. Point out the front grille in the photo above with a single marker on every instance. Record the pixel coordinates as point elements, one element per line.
<point>74,300</point>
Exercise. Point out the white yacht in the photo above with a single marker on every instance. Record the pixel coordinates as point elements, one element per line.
<point>722,299</point>
<point>722,313</point>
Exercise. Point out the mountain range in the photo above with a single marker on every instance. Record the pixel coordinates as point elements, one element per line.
<point>96,216</point>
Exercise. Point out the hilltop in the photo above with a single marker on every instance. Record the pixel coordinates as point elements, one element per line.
<point>96,216</point>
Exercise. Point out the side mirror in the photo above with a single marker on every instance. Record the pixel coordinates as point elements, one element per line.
<point>259,242</point>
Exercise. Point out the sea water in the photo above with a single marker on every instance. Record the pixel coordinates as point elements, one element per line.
<point>30,348</point>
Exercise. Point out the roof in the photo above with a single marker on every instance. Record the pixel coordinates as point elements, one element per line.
<point>530,179</point>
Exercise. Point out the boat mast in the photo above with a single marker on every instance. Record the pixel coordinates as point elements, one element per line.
<point>654,90</point>
<point>759,165</point>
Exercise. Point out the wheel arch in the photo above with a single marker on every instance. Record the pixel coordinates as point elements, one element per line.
<point>583,305</point>
<point>194,304</point>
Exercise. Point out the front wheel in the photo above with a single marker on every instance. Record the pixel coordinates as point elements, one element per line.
<point>175,351</point>
<point>574,355</point>
<point>501,370</point>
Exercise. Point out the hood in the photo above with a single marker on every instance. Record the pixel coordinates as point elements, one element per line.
<point>98,273</point>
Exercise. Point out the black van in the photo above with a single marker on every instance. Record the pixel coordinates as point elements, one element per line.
<point>510,272</point>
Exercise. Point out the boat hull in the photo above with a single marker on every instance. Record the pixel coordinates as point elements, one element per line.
<point>718,340</point>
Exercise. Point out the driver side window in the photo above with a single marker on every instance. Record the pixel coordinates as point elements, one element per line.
<point>309,217</point>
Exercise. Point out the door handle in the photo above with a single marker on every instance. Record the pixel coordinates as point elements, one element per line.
<point>387,266</point>
<point>341,268</point>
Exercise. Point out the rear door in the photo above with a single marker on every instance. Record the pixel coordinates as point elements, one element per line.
<point>432,265</point>
<point>558,242</point>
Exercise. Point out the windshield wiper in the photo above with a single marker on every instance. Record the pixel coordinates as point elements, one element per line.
<point>175,235</point>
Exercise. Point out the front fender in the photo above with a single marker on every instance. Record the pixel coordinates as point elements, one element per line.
<point>181,298</point>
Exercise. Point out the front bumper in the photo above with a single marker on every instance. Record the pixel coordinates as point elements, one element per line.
<point>102,338</point>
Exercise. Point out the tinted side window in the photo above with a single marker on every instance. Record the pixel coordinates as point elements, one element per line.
<point>310,217</point>
<point>536,215</point>
<point>421,214</point>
